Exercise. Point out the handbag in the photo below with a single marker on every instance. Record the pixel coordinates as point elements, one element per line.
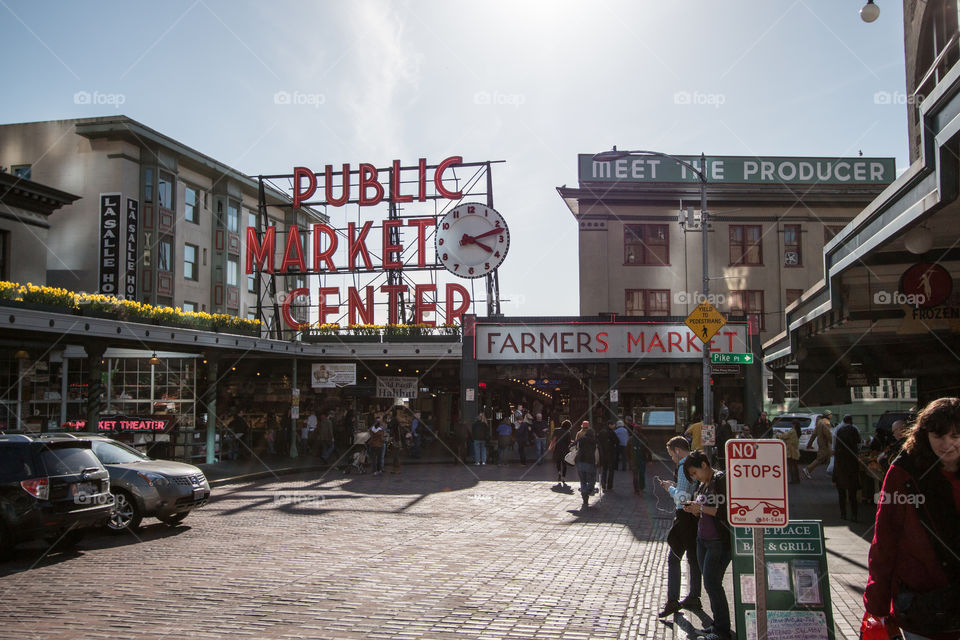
<point>571,457</point>
<point>683,531</point>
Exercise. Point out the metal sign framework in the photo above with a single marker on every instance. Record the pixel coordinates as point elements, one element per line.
<point>478,185</point>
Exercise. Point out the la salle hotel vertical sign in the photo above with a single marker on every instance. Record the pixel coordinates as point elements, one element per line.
<point>110,226</point>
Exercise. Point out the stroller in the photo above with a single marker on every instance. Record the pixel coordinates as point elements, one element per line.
<point>356,457</point>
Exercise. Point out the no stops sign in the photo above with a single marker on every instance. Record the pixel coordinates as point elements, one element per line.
<point>757,483</point>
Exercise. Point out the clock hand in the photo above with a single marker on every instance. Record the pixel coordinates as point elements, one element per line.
<point>489,233</point>
<point>482,246</point>
<point>468,239</point>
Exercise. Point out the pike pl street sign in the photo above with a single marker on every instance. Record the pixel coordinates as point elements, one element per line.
<point>731,358</point>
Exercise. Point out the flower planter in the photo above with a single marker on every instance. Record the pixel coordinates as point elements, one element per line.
<point>336,338</point>
<point>97,313</point>
<point>427,338</point>
<point>35,306</point>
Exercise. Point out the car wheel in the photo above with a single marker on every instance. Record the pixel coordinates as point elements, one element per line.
<point>175,519</point>
<point>125,515</point>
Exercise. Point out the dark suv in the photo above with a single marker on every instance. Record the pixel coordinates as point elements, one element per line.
<point>50,487</point>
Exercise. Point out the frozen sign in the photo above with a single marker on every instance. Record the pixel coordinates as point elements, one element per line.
<point>581,341</point>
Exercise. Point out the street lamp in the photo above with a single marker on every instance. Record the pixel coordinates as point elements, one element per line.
<point>616,154</point>
<point>869,12</point>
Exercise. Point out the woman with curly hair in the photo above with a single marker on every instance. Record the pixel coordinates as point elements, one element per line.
<point>914,580</point>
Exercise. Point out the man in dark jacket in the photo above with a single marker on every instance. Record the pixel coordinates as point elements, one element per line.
<point>609,443</point>
<point>480,432</point>
<point>762,427</point>
<point>846,467</point>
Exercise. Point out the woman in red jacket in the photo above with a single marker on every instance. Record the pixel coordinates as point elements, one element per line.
<point>914,579</point>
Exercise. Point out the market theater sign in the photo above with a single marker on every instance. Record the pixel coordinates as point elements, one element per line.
<point>577,341</point>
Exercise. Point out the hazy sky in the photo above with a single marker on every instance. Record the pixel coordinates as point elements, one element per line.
<point>531,83</point>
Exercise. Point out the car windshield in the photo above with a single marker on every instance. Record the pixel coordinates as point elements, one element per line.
<point>116,453</point>
<point>62,461</point>
<point>784,422</point>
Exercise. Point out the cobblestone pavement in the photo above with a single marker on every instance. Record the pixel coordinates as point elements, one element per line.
<point>438,551</point>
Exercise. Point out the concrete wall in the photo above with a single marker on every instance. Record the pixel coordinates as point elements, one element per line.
<point>27,246</point>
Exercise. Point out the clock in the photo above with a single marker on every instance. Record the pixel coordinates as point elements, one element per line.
<point>472,240</point>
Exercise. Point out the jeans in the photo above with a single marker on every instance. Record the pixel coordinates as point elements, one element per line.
<point>377,455</point>
<point>622,457</point>
<point>606,474</point>
<point>327,449</point>
<point>673,574</point>
<point>588,477</point>
<point>523,452</point>
<point>714,557</point>
<point>541,449</point>
<point>848,496</point>
<point>480,451</point>
<point>415,446</point>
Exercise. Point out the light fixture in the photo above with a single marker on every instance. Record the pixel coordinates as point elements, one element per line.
<point>531,382</point>
<point>869,12</point>
<point>21,354</point>
<point>918,240</point>
<point>154,360</point>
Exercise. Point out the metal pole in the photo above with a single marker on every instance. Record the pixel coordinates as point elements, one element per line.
<point>707,399</point>
<point>760,580</point>
<point>293,421</point>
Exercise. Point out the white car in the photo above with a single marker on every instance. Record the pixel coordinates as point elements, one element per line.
<point>808,421</point>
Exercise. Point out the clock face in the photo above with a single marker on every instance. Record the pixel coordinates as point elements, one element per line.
<point>472,240</point>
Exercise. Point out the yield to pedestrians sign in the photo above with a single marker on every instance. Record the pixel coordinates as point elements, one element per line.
<point>705,321</point>
<point>757,483</point>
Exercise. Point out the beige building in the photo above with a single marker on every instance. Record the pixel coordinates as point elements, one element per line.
<point>185,233</point>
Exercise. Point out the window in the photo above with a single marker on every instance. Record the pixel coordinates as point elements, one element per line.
<point>233,218</point>
<point>148,185</point>
<point>748,303</point>
<point>745,244</point>
<point>21,171</point>
<point>252,219</point>
<point>191,206</point>
<point>190,262</point>
<point>163,255</point>
<point>646,244</point>
<point>792,296</point>
<point>647,302</point>
<point>165,191</point>
<point>830,231</point>
<point>190,306</point>
<point>792,253</point>
<point>233,271</point>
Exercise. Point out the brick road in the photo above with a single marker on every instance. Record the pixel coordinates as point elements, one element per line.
<point>439,551</point>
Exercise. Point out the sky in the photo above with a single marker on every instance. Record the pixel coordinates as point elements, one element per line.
<point>529,83</point>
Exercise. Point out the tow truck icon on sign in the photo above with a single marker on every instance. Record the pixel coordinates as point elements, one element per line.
<point>764,510</point>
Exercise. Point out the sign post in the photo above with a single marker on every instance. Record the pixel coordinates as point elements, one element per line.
<point>757,498</point>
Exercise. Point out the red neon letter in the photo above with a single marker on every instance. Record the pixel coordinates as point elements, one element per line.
<point>324,256</point>
<point>344,186</point>
<point>258,252</point>
<point>293,247</point>
<point>438,178</point>
<point>395,185</point>
<point>421,306</point>
<point>357,245</point>
<point>368,178</point>
<point>456,313</point>
<point>285,310</point>
<point>298,195</point>
<point>323,308</point>
<point>392,305</point>
<point>421,224</point>
<point>389,249</point>
<point>355,305</point>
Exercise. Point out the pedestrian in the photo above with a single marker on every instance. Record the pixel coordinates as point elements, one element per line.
<point>236,430</point>
<point>480,432</point>
<point>682,538</point>
<point>846,467</point>
<point>377,445</point>
<point>540,429</point>
<point>416,436</point>
<point>609,445</point>
<point>914,575</point>
<point>308,431</point>
<point>396,440</point>
<point>899,431</point>
<point>461,436</point>
<point>623,436</point>
<point>695,433</point>
<point>271,440</point>
<point>709,504</point>
<point>762,428</point>
<point>325,433</point>
<point>560,446</point>
<point>791,438</point>
<point>640,455</point>
<point>504,434</point>
<point>524,435</point>
<point>823,436</point>
<point>724,433</point>
<point>586,460</point>
<point>723,413</point>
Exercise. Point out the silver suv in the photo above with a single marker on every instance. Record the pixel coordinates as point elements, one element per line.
<point>808,421</point>
<point>143,487</point>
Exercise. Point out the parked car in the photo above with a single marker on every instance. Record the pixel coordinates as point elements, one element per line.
<point>808,421</point>
<point>146,488</point>
<point>52,488</point>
